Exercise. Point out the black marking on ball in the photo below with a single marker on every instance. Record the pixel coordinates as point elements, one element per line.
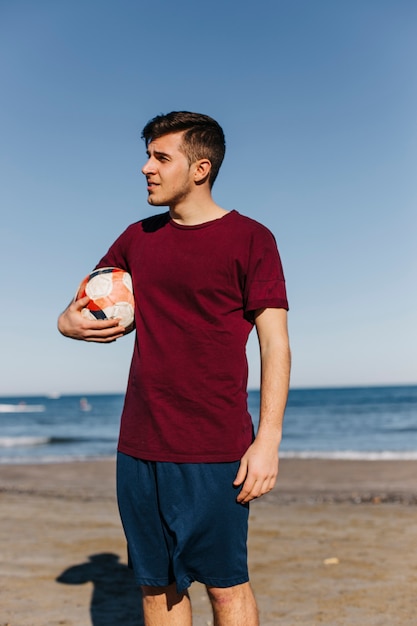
<point>99,315</point>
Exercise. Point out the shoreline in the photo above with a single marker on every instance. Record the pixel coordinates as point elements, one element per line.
<point>307,455</point>
<point>299,480</point>
<point>325,547</point>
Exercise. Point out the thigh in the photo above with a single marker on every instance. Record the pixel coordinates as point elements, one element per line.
<point>148,543</point>
<point>209,528</point>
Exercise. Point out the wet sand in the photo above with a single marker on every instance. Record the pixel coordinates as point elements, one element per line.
<point>335,543</point>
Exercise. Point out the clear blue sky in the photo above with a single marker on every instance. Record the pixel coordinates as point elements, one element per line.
<point>318,101</point>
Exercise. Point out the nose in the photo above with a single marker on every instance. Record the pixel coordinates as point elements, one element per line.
<point>149,167</point>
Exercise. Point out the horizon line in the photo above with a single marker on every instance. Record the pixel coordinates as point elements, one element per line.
<point>334,387</point>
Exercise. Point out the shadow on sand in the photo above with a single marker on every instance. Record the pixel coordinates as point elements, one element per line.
<point>116,597</point>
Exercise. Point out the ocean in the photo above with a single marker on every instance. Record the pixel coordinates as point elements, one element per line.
<point>348,423</point>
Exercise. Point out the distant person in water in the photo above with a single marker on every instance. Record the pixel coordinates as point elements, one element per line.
<point>188,461</point>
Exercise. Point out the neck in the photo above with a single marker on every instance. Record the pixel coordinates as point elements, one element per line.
<point>191,214</point>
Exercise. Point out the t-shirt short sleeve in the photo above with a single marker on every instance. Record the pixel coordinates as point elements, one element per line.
<point>196,290</point>
<point>265,282</point>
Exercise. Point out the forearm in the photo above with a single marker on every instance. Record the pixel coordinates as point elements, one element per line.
<point>258,468</point>
<point>275,377</point>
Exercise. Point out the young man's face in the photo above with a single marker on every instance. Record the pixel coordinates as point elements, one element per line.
<point>168,173</point>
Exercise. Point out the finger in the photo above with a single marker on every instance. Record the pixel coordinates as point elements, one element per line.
<point>247,493</point>
<point>244,498</point>
<point>241,474</point>
<point>103,325</point>
<point>266,487</point>
<point>262,488</point>
<point>255,489</point>
<point>104,333</point>
<point>102,339</point>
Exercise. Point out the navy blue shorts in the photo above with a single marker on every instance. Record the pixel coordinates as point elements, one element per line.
<point>182,522</point>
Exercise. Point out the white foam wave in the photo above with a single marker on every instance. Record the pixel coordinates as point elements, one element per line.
<point>12,442</point>
<point>353,455</point>
<point>22,408</point>
<point>50,459</point>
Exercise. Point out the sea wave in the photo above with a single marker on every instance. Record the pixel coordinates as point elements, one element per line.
<point>22,407</point>
<point>352,455</point>
<point>336,455</point>
<point>30,441</point>
<point>12,442</point>
<point>50,459</point>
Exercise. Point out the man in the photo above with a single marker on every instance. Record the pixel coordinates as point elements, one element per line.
<point>188,462</point>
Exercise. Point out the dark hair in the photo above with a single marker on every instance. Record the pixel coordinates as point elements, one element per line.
<point>203,136</point>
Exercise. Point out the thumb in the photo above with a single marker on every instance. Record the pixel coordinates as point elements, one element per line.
<point>81,302</point>
<point>241,474</point>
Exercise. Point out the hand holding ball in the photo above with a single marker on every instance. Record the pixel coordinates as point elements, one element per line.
<point>111,296</point>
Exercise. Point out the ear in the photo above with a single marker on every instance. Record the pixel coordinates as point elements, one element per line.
<point>202,170</point>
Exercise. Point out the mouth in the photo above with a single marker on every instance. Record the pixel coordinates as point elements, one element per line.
<point>151,185</point>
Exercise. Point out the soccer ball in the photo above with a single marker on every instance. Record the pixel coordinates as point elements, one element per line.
<point>111,295</point>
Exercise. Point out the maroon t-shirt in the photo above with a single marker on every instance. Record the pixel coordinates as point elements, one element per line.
<point>196,289</point>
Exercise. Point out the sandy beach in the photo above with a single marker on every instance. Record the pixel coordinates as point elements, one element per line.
<point>334,543</point>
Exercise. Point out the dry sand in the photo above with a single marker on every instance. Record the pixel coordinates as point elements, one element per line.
<point>335,543</point>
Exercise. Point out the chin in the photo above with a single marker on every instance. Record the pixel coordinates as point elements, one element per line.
<point>156,202</point>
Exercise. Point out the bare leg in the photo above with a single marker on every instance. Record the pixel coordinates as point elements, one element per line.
<point>233,606</point>
<point>163,606</point>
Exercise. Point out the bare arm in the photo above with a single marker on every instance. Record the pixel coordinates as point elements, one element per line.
<point>258,469</point>
<point>72,324</point>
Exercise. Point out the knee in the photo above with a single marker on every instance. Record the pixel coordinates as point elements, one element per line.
<point>222,596</point>
<point>234,605</point>
<point>152,592</point>
<point>164,596</point>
